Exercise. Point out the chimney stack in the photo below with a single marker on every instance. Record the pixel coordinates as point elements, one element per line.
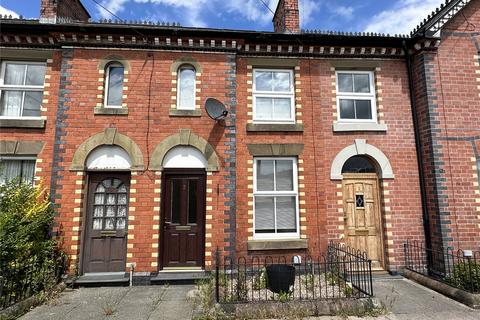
<point>287,18</point>
<point>60,11</point>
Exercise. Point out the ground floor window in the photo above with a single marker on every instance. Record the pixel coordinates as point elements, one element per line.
<point>12,168</point>
<point>276,198</point>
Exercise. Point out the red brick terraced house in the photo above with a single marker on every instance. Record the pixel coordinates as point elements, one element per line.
<point>360,138</point>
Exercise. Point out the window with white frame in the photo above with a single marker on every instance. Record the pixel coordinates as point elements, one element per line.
<point>114,74</point>
<point>186,87</point>
<point>275,198</point>
<point>21,87</point>
<point>22,168</point>
<point>356,96</point>
<point>273,96</point>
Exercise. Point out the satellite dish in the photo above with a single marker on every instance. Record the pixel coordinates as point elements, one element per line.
<point>215,109</point>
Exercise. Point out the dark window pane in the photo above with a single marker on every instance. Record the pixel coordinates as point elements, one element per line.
<point>35,75</point>
<point>358,164</point>
<point>265,175</point>
<point>345,82</point>
<point>31,104</point>
<point>362,83</point>
<point>364,109</point>
<point>264,215</point>
<point>347,110</point>
<point>192,201</point>
<point>284,175</point>
<point>115,86</point>
<point>359,201</point>
<point>176,201</point>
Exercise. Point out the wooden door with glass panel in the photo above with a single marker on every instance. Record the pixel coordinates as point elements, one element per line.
<point>362,215</point>
<point>107,217</point>
<point>183,218</point>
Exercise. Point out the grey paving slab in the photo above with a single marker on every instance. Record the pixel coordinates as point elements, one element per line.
<point>122,303</point>
<point>410,301</point>
<point>406,299</point>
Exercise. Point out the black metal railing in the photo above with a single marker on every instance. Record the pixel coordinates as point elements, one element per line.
<point>341,273</point>
<point>460,269</point>
<point>21,279</point>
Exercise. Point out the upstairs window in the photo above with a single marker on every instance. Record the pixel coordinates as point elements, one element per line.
<point>21,87</point>
<point>276,198</point>
<point>17,168</point>
<point>186,88</point>
<point>356,96</point>
<point>273,96</point>
<point>114,85</point>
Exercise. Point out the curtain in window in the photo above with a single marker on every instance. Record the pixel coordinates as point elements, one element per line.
<point>11,103</point>
<point>11,169</point>
<point>28,170</point>
<point>14,74</point>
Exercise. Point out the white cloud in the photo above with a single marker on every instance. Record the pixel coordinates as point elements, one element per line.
<point>344,11</point>
<point>4,11</point>
<point>196,12</point>
<point>252,10</point>
<point>114,6</point>
<point>402,17</point>
<point>308,8</point>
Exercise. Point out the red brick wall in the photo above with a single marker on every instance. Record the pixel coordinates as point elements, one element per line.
<point>453,75</point>
<point>68,9</point>
<point>287,18</point>
<point>81,123</point>
<point>46,135</point>
<point>401,204</point>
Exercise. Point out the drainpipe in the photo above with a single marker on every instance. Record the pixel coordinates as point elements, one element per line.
<point>418,148</point>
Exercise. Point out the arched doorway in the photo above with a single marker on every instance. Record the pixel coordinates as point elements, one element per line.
<point>105,240</point>
<point>361,207</point>
<point>183,208</point>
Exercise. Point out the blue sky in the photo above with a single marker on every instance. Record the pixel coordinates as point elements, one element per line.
<point>383,16</point>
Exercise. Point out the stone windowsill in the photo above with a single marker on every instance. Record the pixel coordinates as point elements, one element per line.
<point>266,127</point>
<point>282,244</point>
<point>111,111</point>
<point>361,126</point>
<point>185,113</point>
<point>22,123</point>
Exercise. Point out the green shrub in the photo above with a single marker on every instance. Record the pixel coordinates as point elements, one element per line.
<point>26,218</point>
<point>28,254</point>
<point>466,276</point>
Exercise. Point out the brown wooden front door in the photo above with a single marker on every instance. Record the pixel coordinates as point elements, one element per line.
<point>107,219</point>
<point>183,214</point>
<point>363,224</point>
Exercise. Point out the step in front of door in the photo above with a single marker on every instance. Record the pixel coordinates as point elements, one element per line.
<point>102,279</point>
<point>179,277</point>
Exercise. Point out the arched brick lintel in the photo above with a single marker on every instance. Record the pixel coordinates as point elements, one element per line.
<point>108,137</point>
<point>185,137</point>
<point>360,147</point>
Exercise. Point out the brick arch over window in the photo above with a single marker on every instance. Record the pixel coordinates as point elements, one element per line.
<point>185,137</point>
<point>360,147</point>
<point>185,61</point>
<point>108,137</point>
<point>102,64</point>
